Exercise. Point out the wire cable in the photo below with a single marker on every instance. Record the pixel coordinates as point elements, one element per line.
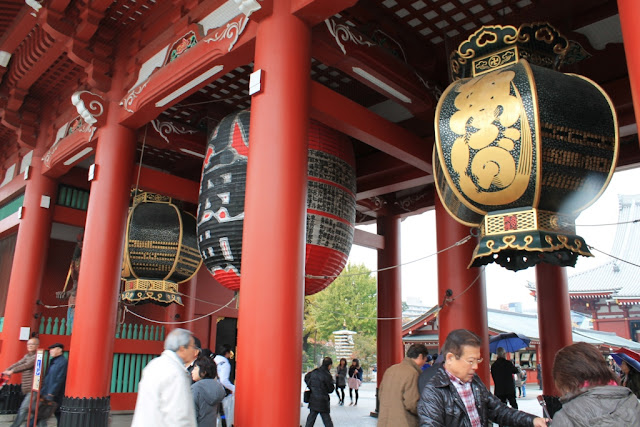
<point>613,256</point>
<point>127,310</point>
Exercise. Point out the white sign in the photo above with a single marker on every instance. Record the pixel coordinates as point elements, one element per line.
<point>25,333</point>
<point>37,370</point>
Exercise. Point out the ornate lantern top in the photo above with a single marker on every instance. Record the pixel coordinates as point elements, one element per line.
<point>493,47</point>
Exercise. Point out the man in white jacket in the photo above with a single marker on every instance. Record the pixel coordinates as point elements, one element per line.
<point>164,391</point>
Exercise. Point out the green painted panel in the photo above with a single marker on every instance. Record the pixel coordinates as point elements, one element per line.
<point>11,207</point>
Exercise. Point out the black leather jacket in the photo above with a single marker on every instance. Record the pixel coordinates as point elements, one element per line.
<point>441,405</point>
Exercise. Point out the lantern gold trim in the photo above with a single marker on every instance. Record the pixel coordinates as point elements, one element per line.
<point>157,290</point>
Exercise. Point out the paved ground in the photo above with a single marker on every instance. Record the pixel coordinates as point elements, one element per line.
<point>342,416</point>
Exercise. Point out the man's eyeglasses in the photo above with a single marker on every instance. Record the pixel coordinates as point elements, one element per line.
<point>472,361</point>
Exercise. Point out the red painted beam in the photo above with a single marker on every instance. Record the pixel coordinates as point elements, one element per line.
<point>316,11</point>
<point>185,75</point>
<point>69,216</point>
<point>350,118</point>
<point>368,240</point>
<point>166,184</point>
<point>369,64</point>
<point>395,183</point>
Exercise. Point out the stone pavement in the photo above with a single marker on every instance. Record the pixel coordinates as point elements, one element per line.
<point>342,416</point>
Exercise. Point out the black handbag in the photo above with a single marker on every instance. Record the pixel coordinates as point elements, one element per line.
<point>307,396</point>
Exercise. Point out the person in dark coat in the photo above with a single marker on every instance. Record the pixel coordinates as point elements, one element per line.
<point>456,397</point>
<point>320,383</point>
<point>54,381</point>
<point>341,380</point>
<point>502,372</point>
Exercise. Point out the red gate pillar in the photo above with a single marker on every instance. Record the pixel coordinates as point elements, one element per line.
<point>554,318</point>
<point>87,400</point>
<point>390,348</point>
<point>30,256</point>
<point>271,290</point>
<point>469,308</point>
<point>629,10</point>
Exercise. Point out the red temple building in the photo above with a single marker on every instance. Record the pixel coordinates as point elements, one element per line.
<point>99,98</point>
<point>610,293</point>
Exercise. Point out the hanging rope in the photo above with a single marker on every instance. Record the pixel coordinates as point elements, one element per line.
<point>613,256</point>
<point>458,243</point>
<point>127,310</point>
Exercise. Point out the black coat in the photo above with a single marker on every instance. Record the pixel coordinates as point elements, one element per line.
<point>502,372</point>
<point>441,405</point>
<point>54,381</point>
<point>320,383</point>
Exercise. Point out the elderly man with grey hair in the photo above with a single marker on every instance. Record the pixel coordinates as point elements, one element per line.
<point>164,391</point>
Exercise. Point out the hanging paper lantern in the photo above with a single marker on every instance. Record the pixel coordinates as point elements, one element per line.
<point>161,250</point>
<point>521,150</point>
<point>330,202</point>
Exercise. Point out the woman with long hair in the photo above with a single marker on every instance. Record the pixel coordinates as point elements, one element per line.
<point>341,380</point>
<point>207,391</point>
<point>590,392</point>
<point>355,379</point>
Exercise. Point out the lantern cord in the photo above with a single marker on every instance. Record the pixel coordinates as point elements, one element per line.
<point>126,309</point>
<point>196,299</point>
<point>458,243</point>
<point>447,300</point>
<point>634,221</point>
<point>144,141</point>
<point>613,256</point>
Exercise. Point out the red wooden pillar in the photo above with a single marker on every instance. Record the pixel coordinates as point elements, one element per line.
<point>629,11</point>
<point>30,256</point>
<point>189,301</point>
<point>271,290</point>
<point>554,318</point>
<point>89,372</point>
<point>390,348</point>
<point>469,310</point>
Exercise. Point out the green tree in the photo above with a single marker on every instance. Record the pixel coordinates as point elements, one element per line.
<point>349,302</point>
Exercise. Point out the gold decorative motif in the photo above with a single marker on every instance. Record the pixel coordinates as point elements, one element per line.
<point>486,122</point>
<point>150,197</point>
<point>526,220</point>
<point>157,290</point>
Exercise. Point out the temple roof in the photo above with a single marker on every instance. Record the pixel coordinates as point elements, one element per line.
<point>507,321</point>
<point>616,279</point>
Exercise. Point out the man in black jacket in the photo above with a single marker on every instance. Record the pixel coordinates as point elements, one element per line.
<point>502,372</point>
<point>320,383</point>
<point>455,396</point>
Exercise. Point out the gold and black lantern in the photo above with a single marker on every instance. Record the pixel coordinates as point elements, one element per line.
<point>522,149</point>
<point>160,250</point>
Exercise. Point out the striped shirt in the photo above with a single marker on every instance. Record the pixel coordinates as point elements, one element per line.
<point>465,392</point>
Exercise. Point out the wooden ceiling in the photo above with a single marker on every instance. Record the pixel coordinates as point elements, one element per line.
<point>412,40</point>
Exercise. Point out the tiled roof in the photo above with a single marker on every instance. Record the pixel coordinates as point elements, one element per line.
<point>526,324</point>
<point>620,278</point>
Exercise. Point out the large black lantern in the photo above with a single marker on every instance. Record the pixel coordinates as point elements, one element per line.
<point>522,149</point>
<point>161,250</point>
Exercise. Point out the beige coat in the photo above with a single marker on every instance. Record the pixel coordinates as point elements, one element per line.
<point>399,395</point>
